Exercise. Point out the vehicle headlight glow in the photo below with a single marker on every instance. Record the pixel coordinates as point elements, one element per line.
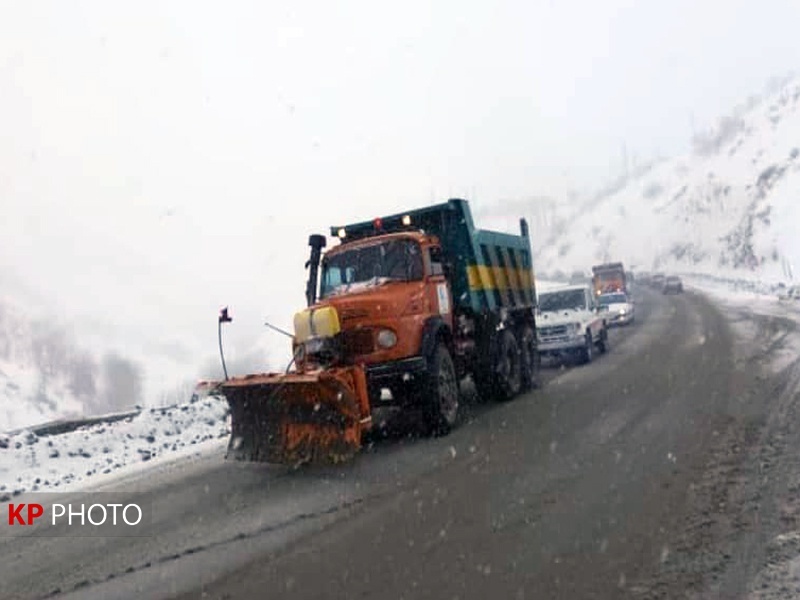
<point>386,338</point>
<point>314,345</point>
<point>622,311</point>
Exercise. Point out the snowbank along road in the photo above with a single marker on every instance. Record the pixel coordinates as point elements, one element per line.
<point>657,471</point>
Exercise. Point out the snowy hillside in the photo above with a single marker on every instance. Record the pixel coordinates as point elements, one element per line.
<point>729,207</point>
<point>46,374</point>
<point>50,368</point>
<point>41,376</point>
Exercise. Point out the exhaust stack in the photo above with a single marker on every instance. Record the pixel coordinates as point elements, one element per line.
<point>317,243</point>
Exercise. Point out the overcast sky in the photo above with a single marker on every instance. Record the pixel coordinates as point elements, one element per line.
<point>142,139</point>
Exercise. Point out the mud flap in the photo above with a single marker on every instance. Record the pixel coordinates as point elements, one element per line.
<point>297,418</point>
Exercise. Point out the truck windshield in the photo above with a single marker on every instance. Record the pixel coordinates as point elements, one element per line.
<point>609,276</point>
<point>606,299</point>
<point>565,300</point>
<point>392,260</point>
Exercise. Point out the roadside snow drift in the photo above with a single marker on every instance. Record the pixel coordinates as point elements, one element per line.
<point>29,463</point>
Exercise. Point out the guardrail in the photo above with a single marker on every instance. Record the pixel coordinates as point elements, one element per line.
<point>746,285</point>
<point>66,425</point>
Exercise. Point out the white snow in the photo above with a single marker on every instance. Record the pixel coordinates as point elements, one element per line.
<point>69,461</point>
<point>729,208</point>
<point>742,300</point>
<point>754,297</point>
<point>34,381</point>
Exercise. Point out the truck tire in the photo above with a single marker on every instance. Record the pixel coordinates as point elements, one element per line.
<point>531,360</point>
<point>603,345</point>
<point>508,371</point>
<point>441,394</point>
<point>587,352</point>
<point>501,379</point>
<point>484,384</point>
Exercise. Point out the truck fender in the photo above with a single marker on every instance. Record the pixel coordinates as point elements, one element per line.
<point>434,328</point>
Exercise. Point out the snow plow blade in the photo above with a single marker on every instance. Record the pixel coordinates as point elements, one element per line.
<point>297,418</point>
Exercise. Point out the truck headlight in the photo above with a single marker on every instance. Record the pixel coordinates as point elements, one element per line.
<point>386,338</point>
<point>622,311</point>
<point>314,345</point>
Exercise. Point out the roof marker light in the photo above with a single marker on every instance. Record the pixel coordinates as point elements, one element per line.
<point>378,223</point>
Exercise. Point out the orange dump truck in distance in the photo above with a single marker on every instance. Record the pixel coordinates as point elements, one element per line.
<point>609,277</point>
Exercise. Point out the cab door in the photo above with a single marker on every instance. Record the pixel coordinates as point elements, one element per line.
<point>439,294</point>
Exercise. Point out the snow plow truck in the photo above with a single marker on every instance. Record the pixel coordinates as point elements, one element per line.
<point>398,312</point>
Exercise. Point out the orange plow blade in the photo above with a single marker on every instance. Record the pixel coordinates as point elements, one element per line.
<point>297,418</point>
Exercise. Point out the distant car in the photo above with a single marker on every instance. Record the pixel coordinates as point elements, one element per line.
<point>657,280</point>
<point>673,285</point>
<point>618,307</point>
<point>793,293</point>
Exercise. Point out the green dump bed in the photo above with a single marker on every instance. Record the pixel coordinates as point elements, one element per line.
<point>490,269</point>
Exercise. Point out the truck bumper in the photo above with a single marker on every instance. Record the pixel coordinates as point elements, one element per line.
<point>619,319</point>
<point>394,375</point>
<point>564,345</point>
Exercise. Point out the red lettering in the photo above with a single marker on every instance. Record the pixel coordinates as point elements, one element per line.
<point>34,512</point>
<point>15,514</point>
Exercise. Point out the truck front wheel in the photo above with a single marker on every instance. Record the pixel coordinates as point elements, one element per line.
<point>587,352</point>
<point>441,395</point>
<point>603,345</point>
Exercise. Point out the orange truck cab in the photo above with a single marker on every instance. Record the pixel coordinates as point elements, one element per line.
<point>420,300</point>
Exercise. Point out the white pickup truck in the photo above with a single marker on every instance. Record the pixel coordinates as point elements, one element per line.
<point>571,322</point>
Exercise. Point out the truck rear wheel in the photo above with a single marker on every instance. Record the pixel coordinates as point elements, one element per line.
<point>502,380</point>
<point>531,361</point>
<point>509,366</point>
<point>441,394</point>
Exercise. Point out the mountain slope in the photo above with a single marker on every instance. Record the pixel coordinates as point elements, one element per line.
<point>728,207</point>
<point>46,374</point>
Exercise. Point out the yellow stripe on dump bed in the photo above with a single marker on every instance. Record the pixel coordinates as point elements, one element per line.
<point>320,322</point>
<point>482,277</point>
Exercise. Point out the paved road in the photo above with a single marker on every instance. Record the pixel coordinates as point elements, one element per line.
<point>578,490</point>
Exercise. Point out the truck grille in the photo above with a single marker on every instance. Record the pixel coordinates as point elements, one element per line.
<point>358,341</point>
<point>553,330</point>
